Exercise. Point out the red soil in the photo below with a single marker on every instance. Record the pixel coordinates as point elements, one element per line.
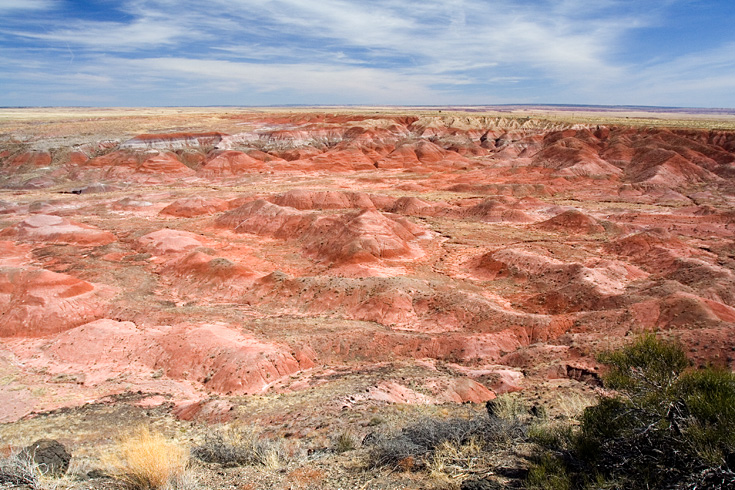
<point>54,229</point>
<point>241,255</point>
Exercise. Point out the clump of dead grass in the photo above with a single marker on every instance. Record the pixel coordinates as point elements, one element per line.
<point>415,446</point>
<point>344,442</point>
<point>19,468</point>
<point>452,462</point>
<point>145,460</point>
<point>238,446</point>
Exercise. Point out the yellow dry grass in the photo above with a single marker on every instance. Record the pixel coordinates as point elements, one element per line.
<point>453,463</point>
<point>146,460</point>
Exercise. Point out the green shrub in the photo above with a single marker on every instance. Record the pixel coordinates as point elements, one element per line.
<point>650,364</point>
<point>556,436</point>
<point>668,426</point>
<point>549,473</point>
<point>709,399</point>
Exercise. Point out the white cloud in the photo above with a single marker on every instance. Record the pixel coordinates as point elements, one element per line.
<point>701,79</point>
<point>112,36</point>
<point>7,6</point>
<point>358,83</point>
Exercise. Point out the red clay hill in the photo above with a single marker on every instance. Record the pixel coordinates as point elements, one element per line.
<point>251,252</point>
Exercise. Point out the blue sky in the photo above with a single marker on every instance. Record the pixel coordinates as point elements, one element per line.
<point>411,52</point>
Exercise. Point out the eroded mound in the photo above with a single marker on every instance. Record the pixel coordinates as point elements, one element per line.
<point>145,167</point>
<point>55,229</point>
<point>36,302</point>
<point>304,199</point>
<point>344,238</point>
<point>364,236</point>
<point>214,357</point>
<point>256,252</point>
<point>572,221</point>
<point>163,242</point>
<point>230,164</point>
<point>195,206</point>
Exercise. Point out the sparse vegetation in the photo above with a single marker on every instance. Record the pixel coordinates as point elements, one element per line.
<point>450,461</point>
<point>415,446</point>
<point>668,426</point>
<point>344,442</point>
<point>235,446</point>
<point>145,460</point>
<point>19,468</point>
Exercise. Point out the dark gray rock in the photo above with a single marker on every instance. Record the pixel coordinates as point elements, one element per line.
<point>50,455</point>
<point>480,485</point>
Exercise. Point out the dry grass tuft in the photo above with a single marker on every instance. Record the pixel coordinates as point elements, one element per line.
<point>344,442</point>
<point>572,405</point>
<point>235,446</point>
<point>453,462</point>
<point>510,406</point>
<point>18,468</point>
<point>145,460</point>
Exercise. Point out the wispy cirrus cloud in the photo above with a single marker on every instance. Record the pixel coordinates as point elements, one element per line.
<point>10,6</point>
<point>111,36</point>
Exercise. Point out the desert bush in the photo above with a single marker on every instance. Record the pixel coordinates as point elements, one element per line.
<point>449,461</point>
<point>145,460</point>
<point>416,443</point>
<point>238,446</point>
<point>344,442</point>
<point>507,406</point>
<point>668,426</point>
<point>19,468</point>
<point>649,366</point>
<point>549,473</point>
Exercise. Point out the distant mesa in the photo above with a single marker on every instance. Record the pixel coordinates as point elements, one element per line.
<point>173,141</point>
